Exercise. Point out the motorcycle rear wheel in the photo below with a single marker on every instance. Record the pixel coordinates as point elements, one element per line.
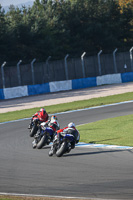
<point>42,142</point>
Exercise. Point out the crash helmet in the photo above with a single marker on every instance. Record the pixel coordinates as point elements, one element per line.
<point>43,111</point>
<point>54,118</point>
<point>71,125</point>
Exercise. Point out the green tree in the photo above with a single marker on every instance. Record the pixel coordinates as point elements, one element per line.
<point>58,27</point>
<point>3,35</point>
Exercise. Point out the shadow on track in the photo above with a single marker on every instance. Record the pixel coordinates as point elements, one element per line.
<point>93,153</point>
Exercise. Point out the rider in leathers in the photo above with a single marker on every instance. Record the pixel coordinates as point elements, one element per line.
<point>41,115</point>
<point>70,129</point>
<point>50,126</point>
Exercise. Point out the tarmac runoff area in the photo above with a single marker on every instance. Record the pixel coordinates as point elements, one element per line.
<point>63,97</point>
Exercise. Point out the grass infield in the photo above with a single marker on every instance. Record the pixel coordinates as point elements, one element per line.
<point>113,131</point>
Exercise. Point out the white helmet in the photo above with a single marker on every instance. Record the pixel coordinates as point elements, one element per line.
<point>71,125</point>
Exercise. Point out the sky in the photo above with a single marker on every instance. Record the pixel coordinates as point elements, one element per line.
<point>14,2</point>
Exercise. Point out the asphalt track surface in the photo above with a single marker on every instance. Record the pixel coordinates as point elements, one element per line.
<point>84,172</point>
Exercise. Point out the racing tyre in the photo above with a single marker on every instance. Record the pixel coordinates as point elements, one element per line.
<point>33,130</point>
<point>62,149</point>
<point>42,142</point>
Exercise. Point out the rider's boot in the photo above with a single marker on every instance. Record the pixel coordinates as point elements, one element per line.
<point>72,145</point>
<point>29,127</point>
<point>34,144</point>
<point>51,152</point>
<point>58,137</point>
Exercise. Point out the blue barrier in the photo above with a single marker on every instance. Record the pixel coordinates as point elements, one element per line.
<point>84,83</point>
<point>2,94</point>
<point>38,89</point>
<point>76,84</point>
<point>127,77</point>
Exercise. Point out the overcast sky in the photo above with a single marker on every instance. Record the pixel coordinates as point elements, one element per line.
<point>14,2</point>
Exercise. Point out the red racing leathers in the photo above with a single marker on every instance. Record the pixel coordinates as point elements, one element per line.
<point>41,116</point>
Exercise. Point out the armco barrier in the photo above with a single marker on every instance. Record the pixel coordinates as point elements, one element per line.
<point>83,83</point>
<point>60,86</point>
<point>28,90</point>
<point>127,77</point>
<point>38,89</point>
<point>109,79</point>
<point>2,94</point>
<point>15,92</point>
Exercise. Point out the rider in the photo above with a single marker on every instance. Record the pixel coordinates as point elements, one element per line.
<point>70,129</point>
<point>41,115</point>
<point>50,126</point>
<point>53,125</point>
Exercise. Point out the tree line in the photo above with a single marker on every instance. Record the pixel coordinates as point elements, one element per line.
<point>58,27</point>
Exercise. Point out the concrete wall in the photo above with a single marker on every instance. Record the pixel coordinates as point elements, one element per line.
<point>56,86</point>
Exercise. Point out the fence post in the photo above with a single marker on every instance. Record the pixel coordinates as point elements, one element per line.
<point>18,71</point>
<point>66,68</point>
<point>2,72</point>
<point>131,58</point>
<point>32,70</point>
<point>99,62</point>
<point>114,59</point>
<point>47,65</point>
<point>83,66</point>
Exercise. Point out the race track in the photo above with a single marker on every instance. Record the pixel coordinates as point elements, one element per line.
<point>84,172</point>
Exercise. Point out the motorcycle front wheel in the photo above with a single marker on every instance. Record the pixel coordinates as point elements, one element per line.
<point>42,142</point>
<point>62,149</point>
<point>33,130</point>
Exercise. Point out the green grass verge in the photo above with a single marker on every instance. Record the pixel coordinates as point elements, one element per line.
<point>116,131</point>
<point>67,106</point>
<point>113,131</point>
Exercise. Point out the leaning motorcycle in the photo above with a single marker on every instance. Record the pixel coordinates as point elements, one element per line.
<point>63,144</point>
<point>42,137</point>
<point>34,126</point>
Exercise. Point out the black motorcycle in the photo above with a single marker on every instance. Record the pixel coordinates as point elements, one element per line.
<point>33,127</point>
